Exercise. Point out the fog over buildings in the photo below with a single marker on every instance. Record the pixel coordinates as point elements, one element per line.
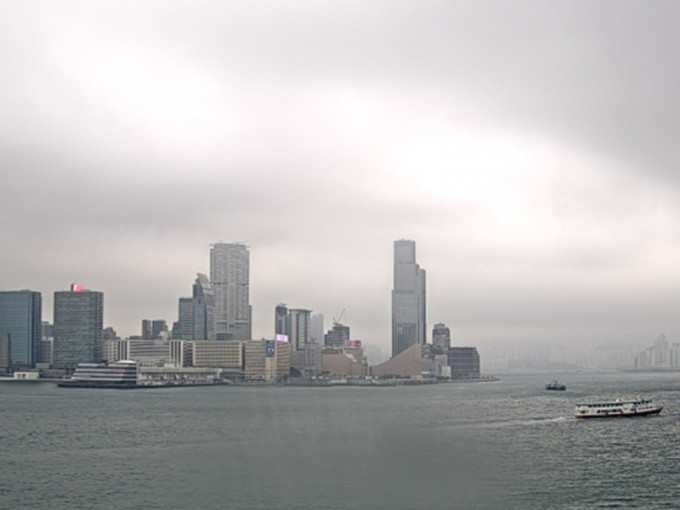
<point>529,148</point>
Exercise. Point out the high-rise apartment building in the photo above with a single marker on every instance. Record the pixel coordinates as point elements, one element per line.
<point>230,278</point>
<point>78,327</point>
<point>408,299</point>
<point>21,325</point>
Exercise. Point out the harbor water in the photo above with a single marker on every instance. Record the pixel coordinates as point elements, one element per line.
<point>503,444</point>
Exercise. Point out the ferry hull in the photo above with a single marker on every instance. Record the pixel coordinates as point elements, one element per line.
<point>646,412</point>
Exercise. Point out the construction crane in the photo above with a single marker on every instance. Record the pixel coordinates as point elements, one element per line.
<point>337,321</point>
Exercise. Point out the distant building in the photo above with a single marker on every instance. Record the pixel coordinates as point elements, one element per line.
<point>230,278</point>
<point>281,321</point>
<point>78,318</point>
<point>218,354</point>
<point>316,328</point>
<point>662,355</point>
<point>21,324</point>
<point>203,309</point>
<point>308,360</point>
<point>266,361</point>
<point>408,299</point>
<point>45,352</point>
<point>4,355</point>
<point>299,332</point>
<point>338,336</point>
<point>464,362</point>
<point>441,337</point>
<point>146,329</point>
<point>159,329</point>
<point>341,362</point>
<point>185,322</point>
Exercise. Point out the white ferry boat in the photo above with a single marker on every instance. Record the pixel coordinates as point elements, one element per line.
<point>617,408</point>
<point>121,374</point>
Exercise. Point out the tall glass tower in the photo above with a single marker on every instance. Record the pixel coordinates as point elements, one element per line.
<point>230,279</point>
<point>78,327</point>
<point>203,309</point>
<point>21,325</point>
<point>408,298</point>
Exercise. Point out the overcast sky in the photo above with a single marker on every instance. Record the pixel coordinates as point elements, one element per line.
<point>530,148</point>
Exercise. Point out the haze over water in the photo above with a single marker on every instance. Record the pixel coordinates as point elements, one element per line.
<point>506,444</point>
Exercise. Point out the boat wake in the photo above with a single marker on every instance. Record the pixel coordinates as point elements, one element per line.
<point>525,422</point>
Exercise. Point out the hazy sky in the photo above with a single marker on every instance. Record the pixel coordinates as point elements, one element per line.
<point>530,148</point>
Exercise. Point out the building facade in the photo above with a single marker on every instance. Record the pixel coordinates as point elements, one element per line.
<point>21,325</point>
<point>78,327</point>
<point>185,322</point>
<point>408,299</point>
<point>230,278</point>
<point>441,337</point>
<point>299,324</point>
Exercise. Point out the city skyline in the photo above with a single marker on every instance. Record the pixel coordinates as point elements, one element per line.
<point>529,149</point>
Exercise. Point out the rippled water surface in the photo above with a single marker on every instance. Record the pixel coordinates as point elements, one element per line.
<point>505,444</point>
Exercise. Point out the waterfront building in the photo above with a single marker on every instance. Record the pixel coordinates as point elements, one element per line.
<point>181,353</point>
<point>308,360</point>
<point>230,277</point>
<point>261,358</point>
<point>4,355</point>
<point>283,359</point>
<point>203,309</point>
<point>464,362</point>
<point>78,319</point>
<point>177,375</point>
<point>21,324</point>
<point>218,354</point>
<point>407,364</point>
<point>341,362</point>
<point>441,337</point>
<point>44,358</point>
<point>152,353</point>
<point>408,298</point>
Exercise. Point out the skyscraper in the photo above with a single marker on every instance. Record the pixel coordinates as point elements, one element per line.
<point>300,328</point>
<point>316,328</point>
<point>408,298</point>
<point>78,327</point>
<point>21,325</point>
<point>281,321</point>
<point>203,309</point>
<point>230,278</point>
<point>185,322</point>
